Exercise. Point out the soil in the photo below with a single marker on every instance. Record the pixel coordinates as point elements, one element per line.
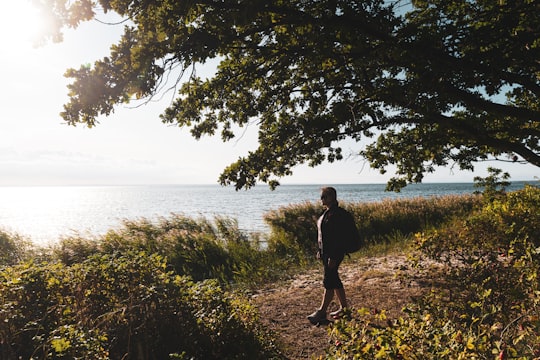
<point>386,282</point>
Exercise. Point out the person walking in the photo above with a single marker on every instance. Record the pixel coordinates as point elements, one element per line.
<point>332,228</point>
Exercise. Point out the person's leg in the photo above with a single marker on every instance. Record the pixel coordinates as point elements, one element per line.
<point>331,282</point>
<point>320,314</point>
<point>342,297</point>
<point>342,303</point>
<point>340,292</point>
<point>328,296</point>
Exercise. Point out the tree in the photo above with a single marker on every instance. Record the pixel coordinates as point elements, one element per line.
<point>494,185</point>
<point>425,79</point>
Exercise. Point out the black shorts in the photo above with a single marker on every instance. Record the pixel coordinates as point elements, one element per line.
<point>331,277</point>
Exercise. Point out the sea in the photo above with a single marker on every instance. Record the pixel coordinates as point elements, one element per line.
<point>45,214</point>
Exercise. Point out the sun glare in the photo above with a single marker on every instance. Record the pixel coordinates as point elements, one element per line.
<point>19,26</point>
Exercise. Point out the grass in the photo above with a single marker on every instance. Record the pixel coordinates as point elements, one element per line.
<point>393,244</point>
<point>383,224</point>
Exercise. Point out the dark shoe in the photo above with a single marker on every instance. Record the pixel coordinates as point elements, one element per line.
<point>317,317</point>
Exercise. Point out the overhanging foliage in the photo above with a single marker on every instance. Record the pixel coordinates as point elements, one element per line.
<point>427,79</point>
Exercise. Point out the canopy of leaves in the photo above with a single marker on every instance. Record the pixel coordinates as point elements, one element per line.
<point>426,80</point>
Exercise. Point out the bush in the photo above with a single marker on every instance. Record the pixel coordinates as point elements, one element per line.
<point>122,306</point>
<point>490,303</point>
<point>494,185</point>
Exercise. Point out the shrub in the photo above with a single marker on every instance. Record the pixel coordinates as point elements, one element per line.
<point>494,185</point>
<point>122,306</point>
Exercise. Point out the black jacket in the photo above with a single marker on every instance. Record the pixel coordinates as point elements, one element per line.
<point>334,230</point>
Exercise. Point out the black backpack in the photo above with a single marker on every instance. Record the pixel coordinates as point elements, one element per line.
<point>353,240</point>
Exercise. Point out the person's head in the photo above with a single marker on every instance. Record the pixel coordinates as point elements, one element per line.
<point>328,196</point>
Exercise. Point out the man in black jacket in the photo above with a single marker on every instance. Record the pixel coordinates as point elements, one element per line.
<point>332,232</point>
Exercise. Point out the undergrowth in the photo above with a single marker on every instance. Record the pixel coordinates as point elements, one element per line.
<point>489,307</point>
<point>123,306</point>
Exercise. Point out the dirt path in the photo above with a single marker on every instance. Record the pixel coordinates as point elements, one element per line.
<point>372,283</point>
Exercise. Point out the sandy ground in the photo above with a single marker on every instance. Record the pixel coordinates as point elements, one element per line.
<point>373,283</point>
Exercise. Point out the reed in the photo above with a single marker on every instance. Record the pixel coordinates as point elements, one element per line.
<point>293,228</point>
<point>14,248</point>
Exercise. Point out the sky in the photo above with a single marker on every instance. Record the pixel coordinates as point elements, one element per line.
<point>130,146</point>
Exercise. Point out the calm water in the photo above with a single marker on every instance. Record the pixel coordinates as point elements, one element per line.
<point>44,214</point>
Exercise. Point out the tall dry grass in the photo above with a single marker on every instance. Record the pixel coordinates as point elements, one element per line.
<point>294,231</point>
